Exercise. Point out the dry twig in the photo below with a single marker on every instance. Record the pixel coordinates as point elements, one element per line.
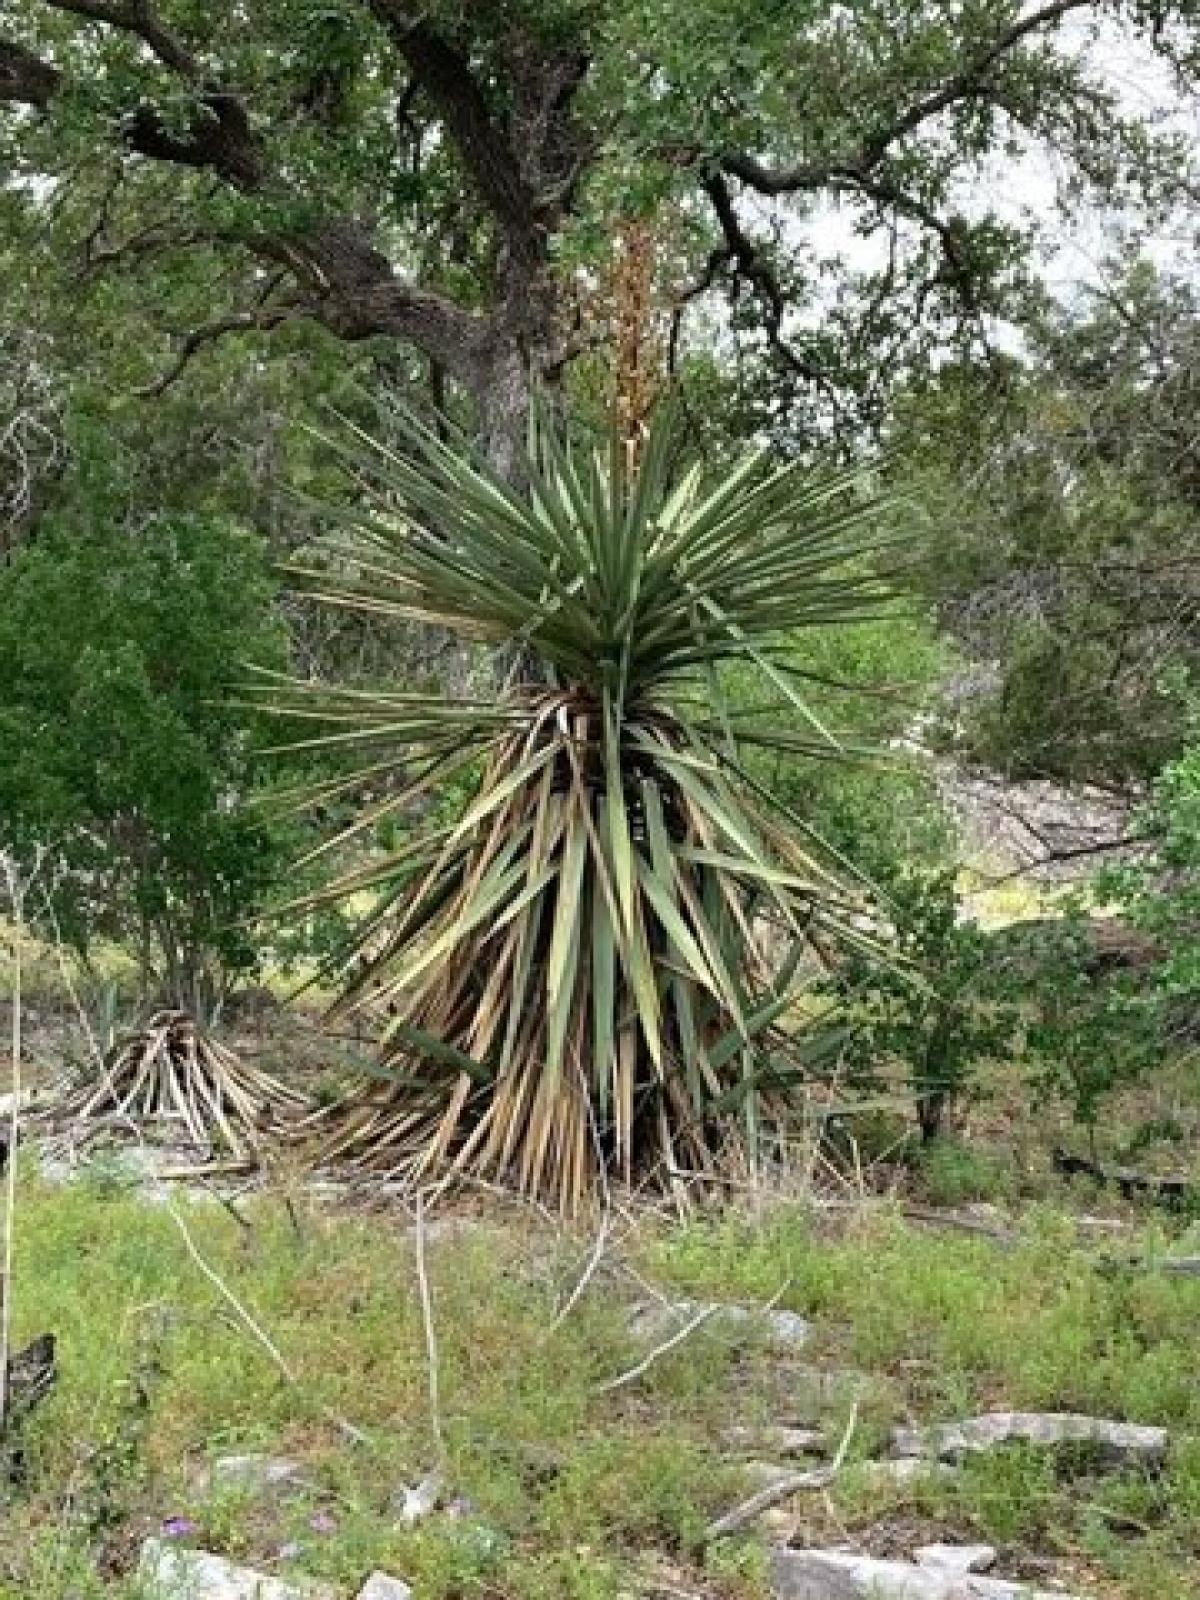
<point>815,1478</point>
<point>634,1373</point>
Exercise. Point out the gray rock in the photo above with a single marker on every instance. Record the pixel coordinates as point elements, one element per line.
<point>22,1100</point>
<point>653,1322</point>
<point>256,1474</point>
<point>780,1441</point>
<point>908,1469</point>
<point>413,1503</point>
<point>956,1558</point>
<point>174,1574</point>
<point>766,1474</point>
<point>951,1440</point>
<point>379,1586</point>
<point>821,1387</point>
<point>843,1575</point>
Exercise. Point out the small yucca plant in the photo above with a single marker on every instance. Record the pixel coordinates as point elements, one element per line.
<point>581,974</point>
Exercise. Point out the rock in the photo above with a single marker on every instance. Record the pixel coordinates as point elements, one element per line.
<point>843,1575</point>
<point>908,1469</point>
<point>379,1586</point>
<point>766,1474</point>
<point>256,1474</point>
<point>172,1574</point>
<point>951,1440</point>
<point>780,1441</point>
<point>415,1503</point>
<point>956,1558</point>
<point>818,1388</point>
<point>21,1100</point>
<point>653,1322</point>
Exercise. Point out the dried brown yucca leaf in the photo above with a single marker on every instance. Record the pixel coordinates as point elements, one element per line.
<point>171,1071</point>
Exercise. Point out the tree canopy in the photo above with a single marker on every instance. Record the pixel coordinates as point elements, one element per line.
<point>447,178</point>
<point>1061,498</point>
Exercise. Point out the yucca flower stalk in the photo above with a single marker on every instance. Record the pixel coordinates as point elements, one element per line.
<point>585,973</point>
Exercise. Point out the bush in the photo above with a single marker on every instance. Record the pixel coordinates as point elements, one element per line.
<point>869,683</point>
<point>1089,1033</point>
<point>121,757</point>
<point>936,1012</point>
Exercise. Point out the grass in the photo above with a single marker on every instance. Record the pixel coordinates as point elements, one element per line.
<point>565,1491</point>
<point>156,1382</point>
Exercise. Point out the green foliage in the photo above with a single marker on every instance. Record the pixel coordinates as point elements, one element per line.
<point>120,756</point>
<point>935,1013</point>
<point>1162,888</point>
<point>1089,1034</point>
<point>869,683</point>
<point>562,1492</point>
<point>1061,539</point>
<point>953,1172</point>
<point>1096,1034</point>
<point>889,114</point>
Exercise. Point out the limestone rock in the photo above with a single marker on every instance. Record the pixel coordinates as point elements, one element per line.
<point>949,1441</point>
<point>956,1558</point>
<point>173,1574</point>
<point>653,1322</point>
<point>766,1474</point>
<point>843,1575</point>
<point>905,1470</point>
<point>379,1586</point>
<point>256,1474</point>
<point>414,1502</point>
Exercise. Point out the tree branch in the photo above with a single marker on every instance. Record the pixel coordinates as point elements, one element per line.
<point>749,262</point>
<point>209,333</point>
<point>949,232</point>
<point>137,17</point>
<point>25,79</point>
<point>219,136</point>
<point>966,84</point>
<point>444,73</point>
<point>343,279</point>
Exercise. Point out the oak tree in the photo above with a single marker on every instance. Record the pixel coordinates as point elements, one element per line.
<point>445,177</point>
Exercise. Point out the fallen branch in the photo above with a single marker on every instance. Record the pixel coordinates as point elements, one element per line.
<point>1132,1184</point>
<point>1172,1266</point>
<point>431,1349</point>
<point>816,1478</point>
<point>634,1373</point>
<point>933,1217</point>
<point>589,1271</point>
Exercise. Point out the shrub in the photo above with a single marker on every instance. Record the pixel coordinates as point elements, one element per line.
<point>121,757</point>
<point>938,1013</point>
<point>582,969</point>
<point>1089,1033</point>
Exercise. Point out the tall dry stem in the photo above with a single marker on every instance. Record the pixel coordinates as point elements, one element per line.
<point>17,888</point>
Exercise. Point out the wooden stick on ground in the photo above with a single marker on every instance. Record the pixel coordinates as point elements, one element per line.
<point>815,1478</point>
<point>648,1361</point>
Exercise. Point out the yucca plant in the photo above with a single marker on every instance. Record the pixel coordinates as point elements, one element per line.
<point>587,971</point>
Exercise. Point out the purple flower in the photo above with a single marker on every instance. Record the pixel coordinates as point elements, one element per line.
<point>179,1528</point>
<point>322,1522</point>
